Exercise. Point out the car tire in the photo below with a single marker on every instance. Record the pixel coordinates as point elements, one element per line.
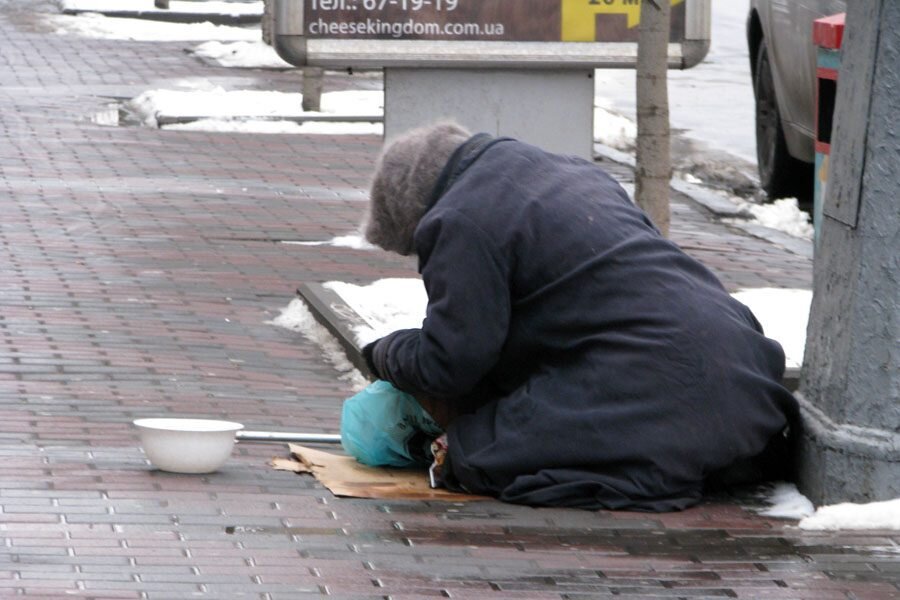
<point>780,174</point>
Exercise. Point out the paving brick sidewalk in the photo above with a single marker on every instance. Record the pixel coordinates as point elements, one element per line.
<point>139,270</point>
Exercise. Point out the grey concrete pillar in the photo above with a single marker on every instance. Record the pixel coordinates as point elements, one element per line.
<point>850,386</point>
<point>312,88</point>
<point>553,109</point>
<point>267,22</point>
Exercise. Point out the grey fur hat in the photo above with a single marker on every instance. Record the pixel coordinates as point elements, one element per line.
<point>405,176</point>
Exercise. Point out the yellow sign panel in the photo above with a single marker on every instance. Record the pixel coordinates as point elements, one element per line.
<point>579,17</point>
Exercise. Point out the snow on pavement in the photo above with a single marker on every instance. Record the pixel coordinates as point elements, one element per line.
<point>175,6</point>
<point>784,215</point>
<point>93,25</point>
<point>249,55</point>
<point>783,314</point>
<point>786,502</point>
<point>297,317</point>
<point>355,241</point>
<point>218,103</point>
<point>612,129</point>
<point>386,305</point>
<point>874,515</point>
<point>280,127</point>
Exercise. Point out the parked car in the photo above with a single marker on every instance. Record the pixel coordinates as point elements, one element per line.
<point>783,64</point>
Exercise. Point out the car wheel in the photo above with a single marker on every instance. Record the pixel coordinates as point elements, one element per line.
<point>780,174</point>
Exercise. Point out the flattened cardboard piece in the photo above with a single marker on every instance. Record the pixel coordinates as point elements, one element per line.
<point>344,476</point>
<point>289,464</point>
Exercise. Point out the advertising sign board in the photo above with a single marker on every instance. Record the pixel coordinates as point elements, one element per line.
<point>479,33</point>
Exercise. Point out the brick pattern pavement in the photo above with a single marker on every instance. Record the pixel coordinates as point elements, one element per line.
<point>139,270</point>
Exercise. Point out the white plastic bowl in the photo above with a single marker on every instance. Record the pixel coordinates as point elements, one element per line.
<point>187,445</point>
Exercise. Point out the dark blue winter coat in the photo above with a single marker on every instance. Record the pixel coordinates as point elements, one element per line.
<point>603,367</point>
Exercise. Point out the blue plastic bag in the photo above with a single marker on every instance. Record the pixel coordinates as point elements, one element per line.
<point>384,427</point>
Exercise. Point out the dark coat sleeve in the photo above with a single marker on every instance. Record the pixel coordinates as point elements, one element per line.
<point>467,316</point>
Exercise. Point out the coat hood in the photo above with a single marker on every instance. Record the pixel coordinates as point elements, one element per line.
<point>405,177</point>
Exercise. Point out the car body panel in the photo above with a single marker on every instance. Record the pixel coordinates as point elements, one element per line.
<point>787,30</point>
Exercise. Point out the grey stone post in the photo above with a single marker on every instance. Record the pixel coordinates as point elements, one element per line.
<point>850,386</point>
<point>267,22</point>
<point>312,88</point>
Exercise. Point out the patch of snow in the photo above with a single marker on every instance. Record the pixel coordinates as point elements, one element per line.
<point>783,313</point>
<point>385,305</point>
<point>786,502</point>
<point>297,317</point>
<point>613,129</point>
<point>783,215</point>
<point>219,103</point>
<point>357,242</point>
<point>278,126</point>
<point>691,179</point>
<point>175,6</point>
<point>252,55</point>
<point>875,515</point>
<point>369,103</point>
<point>97,26</point>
